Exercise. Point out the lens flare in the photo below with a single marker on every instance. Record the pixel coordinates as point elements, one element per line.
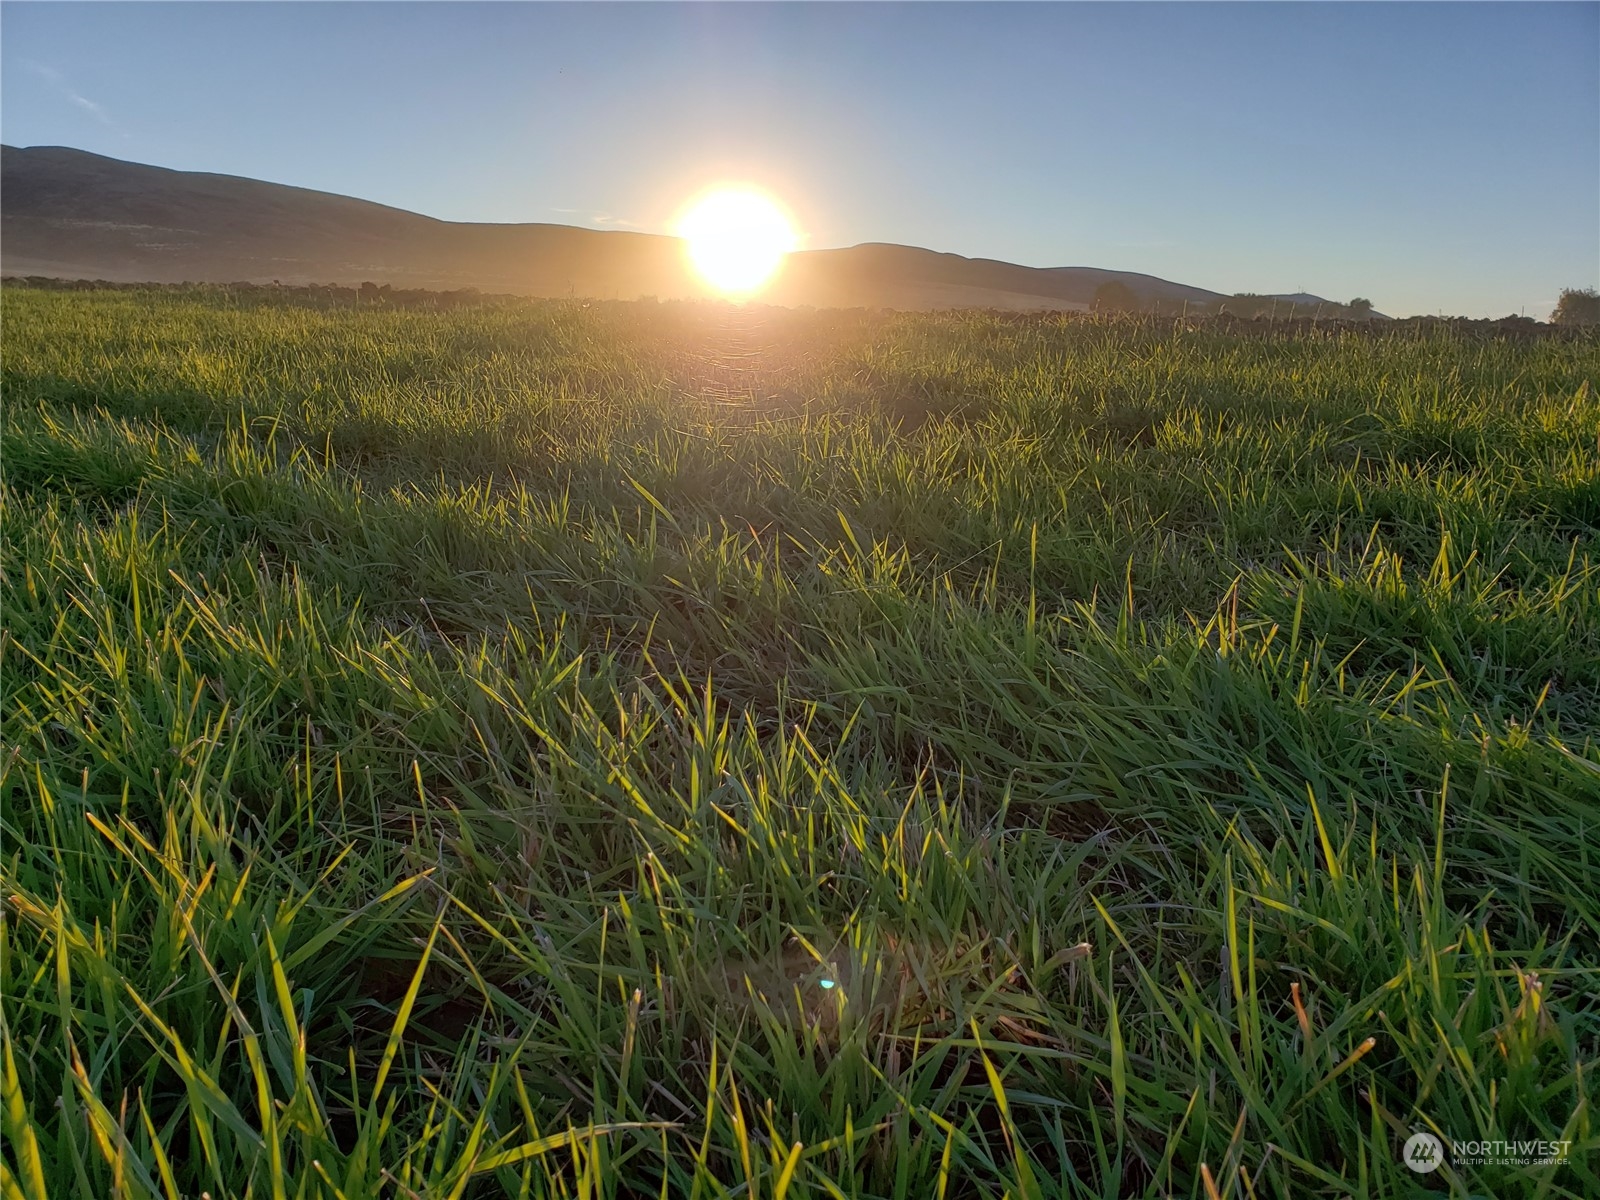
<point>736,238</point>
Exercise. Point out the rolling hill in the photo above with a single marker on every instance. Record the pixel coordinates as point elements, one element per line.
<point>71,214</point>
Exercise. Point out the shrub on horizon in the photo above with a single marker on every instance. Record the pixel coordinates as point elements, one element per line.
<point>1577,306</point>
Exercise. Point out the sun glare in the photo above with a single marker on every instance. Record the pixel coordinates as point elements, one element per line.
<point>736,238</point>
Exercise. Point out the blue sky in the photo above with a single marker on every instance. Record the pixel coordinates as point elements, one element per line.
<point>1433,156</point>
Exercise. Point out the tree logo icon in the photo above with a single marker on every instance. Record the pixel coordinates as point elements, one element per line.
<point>1423,1152</point>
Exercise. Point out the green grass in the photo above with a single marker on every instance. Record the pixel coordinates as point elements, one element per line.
<point>447,754</point>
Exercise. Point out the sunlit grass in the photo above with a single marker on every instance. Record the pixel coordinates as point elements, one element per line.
<point>445,753</point>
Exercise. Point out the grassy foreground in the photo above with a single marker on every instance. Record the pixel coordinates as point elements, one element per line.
<point>633,750</point>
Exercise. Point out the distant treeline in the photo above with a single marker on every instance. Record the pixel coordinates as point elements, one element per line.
<point>1242,313</point>
<point>329,295</point>
<point>1116,296</point>
<point>1277,308</point>
<point>1514,328</point>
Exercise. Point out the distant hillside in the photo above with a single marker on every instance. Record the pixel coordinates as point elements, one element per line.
<point>908,277</point>
<point>65,212</point>
<point>71,214</point>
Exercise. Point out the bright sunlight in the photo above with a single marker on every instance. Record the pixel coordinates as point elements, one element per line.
<point>736,237</point>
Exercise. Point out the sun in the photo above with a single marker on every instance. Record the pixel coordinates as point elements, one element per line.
<point>736,237</point>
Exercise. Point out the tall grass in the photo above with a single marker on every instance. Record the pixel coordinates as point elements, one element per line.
<point>660,750</point>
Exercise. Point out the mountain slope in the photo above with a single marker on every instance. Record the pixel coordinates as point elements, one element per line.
<point>73,214</point>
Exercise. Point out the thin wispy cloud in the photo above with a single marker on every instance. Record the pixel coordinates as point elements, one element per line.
<point>598,218</point>
<point>89,106</point>
<point>59,84</point>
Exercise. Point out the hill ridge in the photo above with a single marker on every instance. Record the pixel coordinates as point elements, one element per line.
<point>73,213</point>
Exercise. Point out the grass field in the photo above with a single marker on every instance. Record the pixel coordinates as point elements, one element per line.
<point>643,750</point>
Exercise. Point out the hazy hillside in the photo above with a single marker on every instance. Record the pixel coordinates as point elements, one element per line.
<point>73,214</point>
<point>69,213</point>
